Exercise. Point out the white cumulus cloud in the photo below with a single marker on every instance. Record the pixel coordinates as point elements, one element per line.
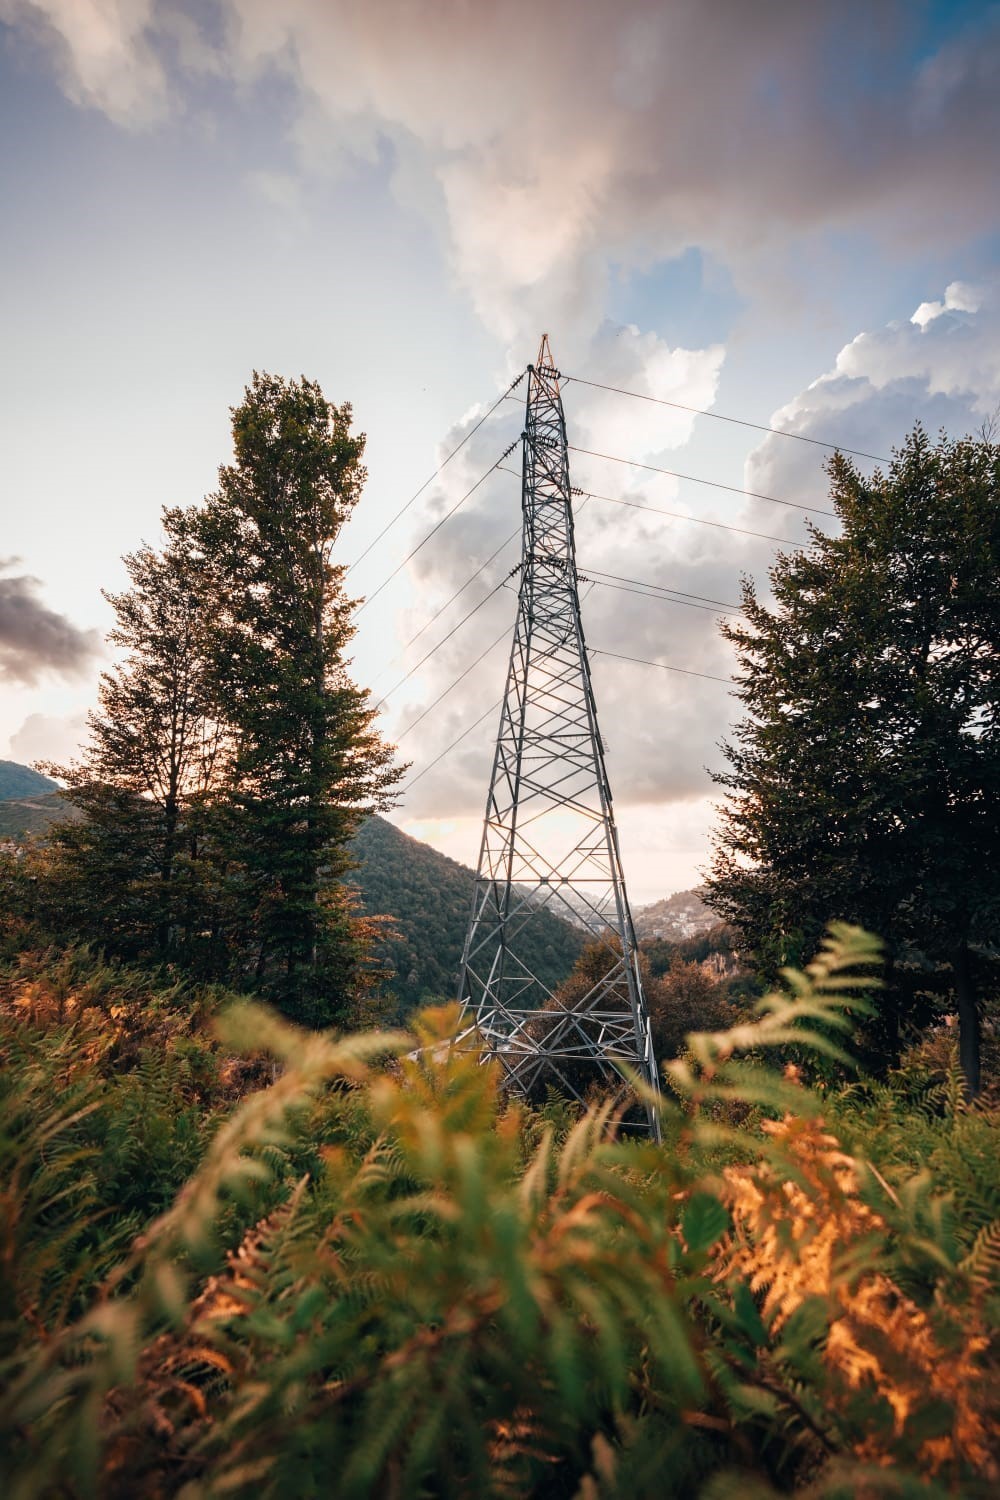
<point>940,367</point>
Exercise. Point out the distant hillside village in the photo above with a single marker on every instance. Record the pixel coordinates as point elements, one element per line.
<point>683,915</point>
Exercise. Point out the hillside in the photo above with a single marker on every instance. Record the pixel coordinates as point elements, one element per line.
<point>676,917</point>
<point>427,896</point>
<point>430,897</point>
<point>31,814</point>
<point>21,781</point>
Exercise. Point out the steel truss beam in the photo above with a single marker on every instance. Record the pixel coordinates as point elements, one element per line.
<point>549,838</point>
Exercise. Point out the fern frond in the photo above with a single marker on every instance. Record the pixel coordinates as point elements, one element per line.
<point>982,1264</point>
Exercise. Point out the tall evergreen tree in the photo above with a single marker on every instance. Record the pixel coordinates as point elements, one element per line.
<point>308,763</point>
<point>231,758</point>
<point>865,780</point>
<point>154,757</point>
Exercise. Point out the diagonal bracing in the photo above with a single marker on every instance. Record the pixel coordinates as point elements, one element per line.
<point>549,838</point>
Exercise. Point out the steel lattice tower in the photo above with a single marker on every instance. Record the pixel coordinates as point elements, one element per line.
<point>549,838</point>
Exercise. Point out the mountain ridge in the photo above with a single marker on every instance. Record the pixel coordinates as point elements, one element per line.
<point>426,895</point>
<point>17,781</point>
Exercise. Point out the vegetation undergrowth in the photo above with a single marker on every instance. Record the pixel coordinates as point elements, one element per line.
<point>240,1258</point>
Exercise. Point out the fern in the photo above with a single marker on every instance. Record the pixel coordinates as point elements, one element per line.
<point>429,1289</point>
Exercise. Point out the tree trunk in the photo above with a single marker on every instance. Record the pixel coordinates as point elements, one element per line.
<point>170,817</point>
<point>968,1019</point>
<point>887,1006</point>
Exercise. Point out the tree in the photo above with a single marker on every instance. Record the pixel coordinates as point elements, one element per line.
<point>308,763</point>
<point>684,999</point>
<point>232,758</point>
<point>865,779</point>
<point>154,757</point>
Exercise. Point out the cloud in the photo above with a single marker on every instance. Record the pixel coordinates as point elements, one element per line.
<point>940,367</point>
<point>563,137</point>
<point>958,297</point>
<point>103,53</point>
<point>48,737</point>
<point>660,727</point>
<point>663,728</point>
<point>35,640</point>
<point>559,139</point>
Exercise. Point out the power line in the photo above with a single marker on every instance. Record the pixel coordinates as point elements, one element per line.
<point>642,589</point>
<point>621,588</point>
<point>663,588</point>
<point>693,479</point>
<point>435,529</point>
<point>447,604</point>
<point>492,709</point>
<point>475,610</point>
<point>449,748</point>
<point>663,665</point>
<point>442,465</point>
<point>504,634</point>
<point>719,417</point>
<point>676,515</point>
<point>460,590</point>
<point>592,651</point>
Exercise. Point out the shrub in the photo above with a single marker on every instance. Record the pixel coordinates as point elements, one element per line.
<point>443,1293</point>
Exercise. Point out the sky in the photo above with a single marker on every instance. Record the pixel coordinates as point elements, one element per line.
<point>781,213</point>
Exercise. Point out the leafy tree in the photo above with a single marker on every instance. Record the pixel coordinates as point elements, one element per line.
<point>865,779</point>
<point>308,763</point>
<point>684,999</point>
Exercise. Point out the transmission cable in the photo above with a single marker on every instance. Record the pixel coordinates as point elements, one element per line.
<point>675,515</point>
<point>621,588</point>
<point>461,590</point>
<point>475,610</point>
<point>719,417</point>
<point>662,588</point>
<point>694,479</point>
<point>449,748</point>
<point>442,465</point>
<point>436,528</point>
<point>504,634</point>
<point>663,665</point>
<point>439,612</point>
<point>492,709</point>
<point>591,651</point>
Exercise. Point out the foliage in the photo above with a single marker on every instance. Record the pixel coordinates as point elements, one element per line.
<point>426,897</point>
<point>685,998</point>
<point>688,997</point>
<point>129,867</point>
<point>717,945</point>
<point>231,757</point>
<point>441,1293</point>
<point>866,775</point>
<point>308,761</point>
<point>110,1088</point>
<point>31,815</point>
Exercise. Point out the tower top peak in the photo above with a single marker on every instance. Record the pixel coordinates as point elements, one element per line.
<point>544,359</point>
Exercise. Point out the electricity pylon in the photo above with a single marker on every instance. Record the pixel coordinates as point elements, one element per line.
<point>549,838</point>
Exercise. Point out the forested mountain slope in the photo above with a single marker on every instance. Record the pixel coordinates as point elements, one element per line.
<point>427,896</point>
<point>21,781</point>
<point>675,918</point>
<point>430,897</point>
<point>32,814</point>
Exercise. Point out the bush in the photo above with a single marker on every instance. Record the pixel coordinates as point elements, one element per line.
<point>446,1294</point>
